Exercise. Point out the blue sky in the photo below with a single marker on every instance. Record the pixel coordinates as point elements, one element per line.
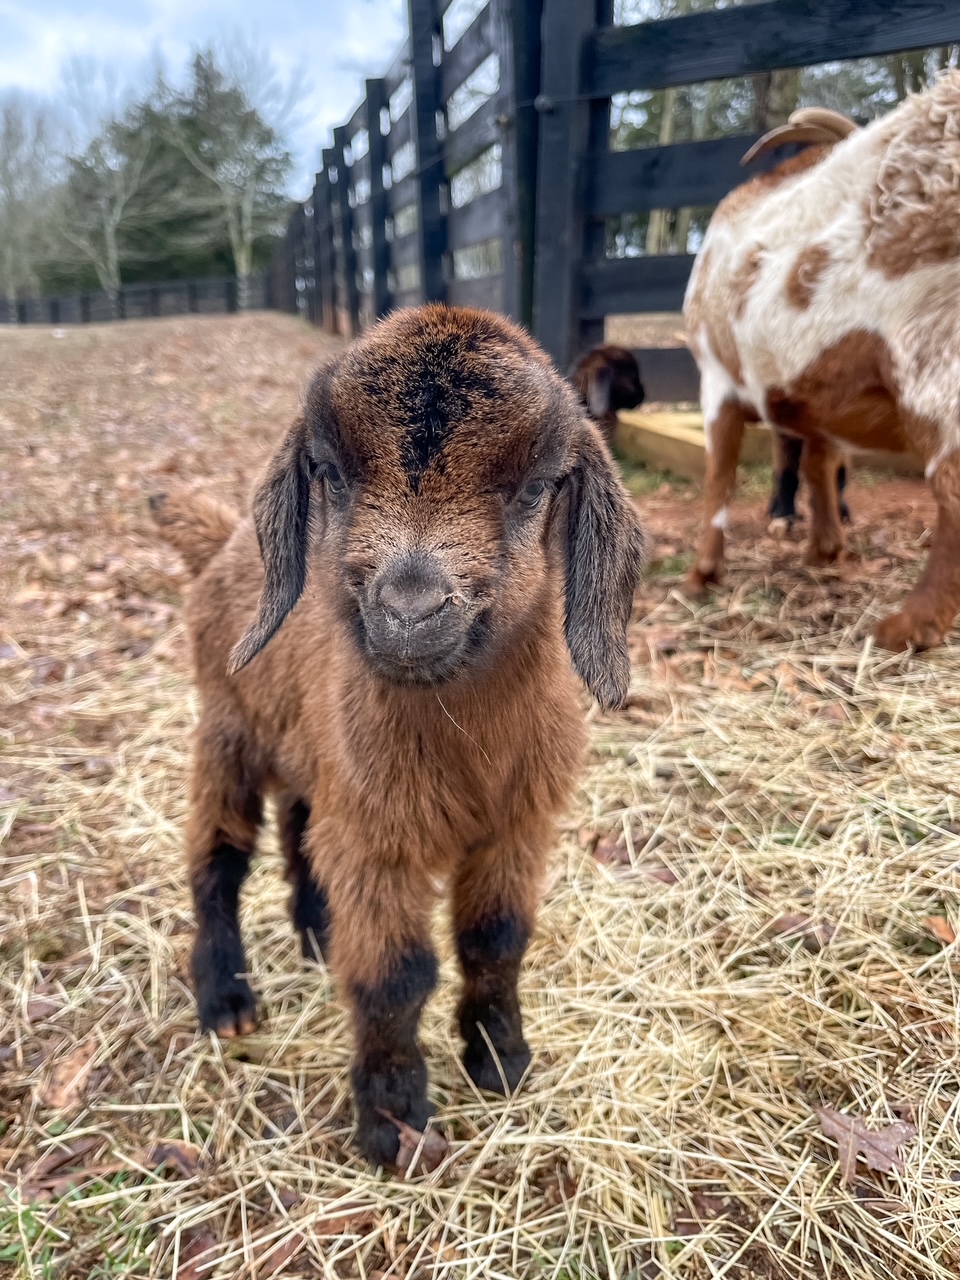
<point>338,42</point>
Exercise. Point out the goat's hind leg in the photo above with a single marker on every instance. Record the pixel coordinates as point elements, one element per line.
<point>820,466</point>
<point>787,452</point>
<point>309,907</point>
<point>724,431</point>
<point>225,813</point>
<point>930,608</point>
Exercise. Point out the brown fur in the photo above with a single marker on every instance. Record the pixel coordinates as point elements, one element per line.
<point>914,210</point>
<point>809,266</point>
<point>393,778</point>
<point>607,378</point>
<point>748,192</point>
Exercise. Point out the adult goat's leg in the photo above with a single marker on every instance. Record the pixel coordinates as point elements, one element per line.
<point>930,608</point>
<point>787,451</point>
<point>820,465</point>
<point>380,908</point>
<point>225,812</point>
<point>494,907</point>
<point>724,431</point>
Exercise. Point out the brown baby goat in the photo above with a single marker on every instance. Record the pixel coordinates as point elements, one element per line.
<point>443,547</point>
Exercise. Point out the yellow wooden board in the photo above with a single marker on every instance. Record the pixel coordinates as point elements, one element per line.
<point>675,442</point>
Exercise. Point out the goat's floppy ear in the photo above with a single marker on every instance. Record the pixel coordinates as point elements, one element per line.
<point>280,512</point>
<point>599,388</point>
<point>605,556</point>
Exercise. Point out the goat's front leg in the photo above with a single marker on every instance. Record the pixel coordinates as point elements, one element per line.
<point>724,432</point>
<point>380,908</point>
<point>930,608</point>
<point>225,812</point>
<point>494,907</point>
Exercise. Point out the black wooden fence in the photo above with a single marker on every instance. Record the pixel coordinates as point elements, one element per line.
<point>479,169</point>
<point>208,295</point>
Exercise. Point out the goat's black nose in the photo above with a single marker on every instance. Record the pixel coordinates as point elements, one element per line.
<point>411,603</point>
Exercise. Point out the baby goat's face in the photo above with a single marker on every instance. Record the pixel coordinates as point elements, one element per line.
<point>439,455</point>
<point>449,477</point>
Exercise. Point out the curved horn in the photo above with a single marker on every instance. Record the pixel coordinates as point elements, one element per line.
<point>822,117</point>
<point>789,133</point>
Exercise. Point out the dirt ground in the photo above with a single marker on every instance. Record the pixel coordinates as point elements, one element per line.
<point>743,992</point>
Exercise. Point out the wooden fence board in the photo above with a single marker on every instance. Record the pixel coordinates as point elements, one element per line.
<point>482,130</point>
<point>685,173</point>
<point>481,219</point>
<point>476,43</point>
<point>617,286</point>
<point>742,41</point>
<point>486,293</point>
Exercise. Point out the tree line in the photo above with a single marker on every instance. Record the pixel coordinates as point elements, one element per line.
<point>179,182</point>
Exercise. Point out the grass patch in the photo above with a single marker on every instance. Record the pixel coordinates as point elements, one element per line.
<point>642,480</point>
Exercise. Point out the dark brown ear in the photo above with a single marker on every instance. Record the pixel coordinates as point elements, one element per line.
<point>280,512</point>
<point>599,387</point>
<point>605,556</point>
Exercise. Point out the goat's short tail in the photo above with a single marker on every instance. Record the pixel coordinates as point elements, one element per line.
<point>194,522</point>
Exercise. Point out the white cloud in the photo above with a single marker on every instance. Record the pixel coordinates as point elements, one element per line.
<point>339,42</point>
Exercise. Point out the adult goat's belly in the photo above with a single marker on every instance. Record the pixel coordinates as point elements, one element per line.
<point>844,393</point>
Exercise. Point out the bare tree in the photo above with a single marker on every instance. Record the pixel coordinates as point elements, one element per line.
<point>28,171</point>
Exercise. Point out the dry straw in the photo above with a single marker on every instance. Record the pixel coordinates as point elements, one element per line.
<point>749,917</point>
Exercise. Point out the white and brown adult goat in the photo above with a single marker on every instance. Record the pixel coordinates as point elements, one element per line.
<point>826,300</point>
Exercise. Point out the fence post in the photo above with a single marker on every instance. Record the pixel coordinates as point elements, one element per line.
<point>426,51</point>
<point>347,253</point>
<point>376,100</point>
<point>323,254</point>
<point>517,40</point>
<point>566,123</point>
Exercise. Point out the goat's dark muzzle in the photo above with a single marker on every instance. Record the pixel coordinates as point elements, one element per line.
<point>415,621</point>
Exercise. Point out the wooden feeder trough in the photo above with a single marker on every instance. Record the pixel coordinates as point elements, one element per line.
<point>674,441</point>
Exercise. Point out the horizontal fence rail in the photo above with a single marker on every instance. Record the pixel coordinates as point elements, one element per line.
<point>210,295</point>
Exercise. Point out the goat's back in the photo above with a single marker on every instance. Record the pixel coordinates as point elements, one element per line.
<point>797,261</point>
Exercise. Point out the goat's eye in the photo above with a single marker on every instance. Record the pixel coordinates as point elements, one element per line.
<point>532,493</point>
<point>334,479</point>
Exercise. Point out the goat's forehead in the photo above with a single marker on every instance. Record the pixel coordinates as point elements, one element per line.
<point>450,399</point>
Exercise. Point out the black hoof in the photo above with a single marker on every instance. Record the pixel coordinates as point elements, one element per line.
<point>227,1007</point>
<point>401,1092</point>
<point>500,1075</point>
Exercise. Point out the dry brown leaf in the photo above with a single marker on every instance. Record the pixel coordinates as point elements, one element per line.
<point>419,1152</point>
<point>657,871</point>
<point>197,1256</point>
<point>54,1160</point>
<point>276,1254</point>
<point>940,928</point>
<point>813,934</point>
<point>183,1156</point>
<point>878,1147</point>
<point>835,711</point>
<point>348,1219</point>
<point>610,850</point>
<point>69,1078</point>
